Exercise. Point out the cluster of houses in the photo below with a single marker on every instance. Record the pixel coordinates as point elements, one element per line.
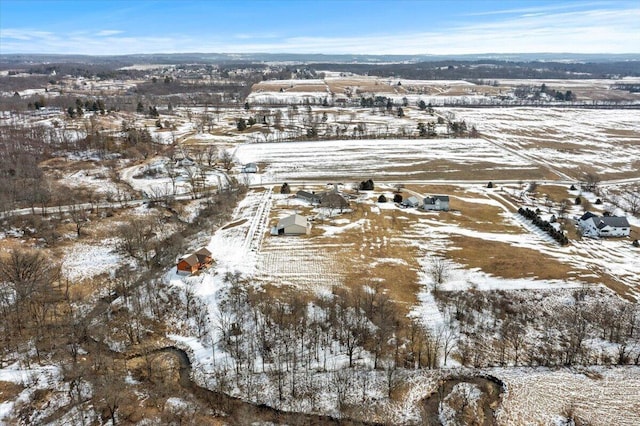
<point>593,225</point>
<point>300,225</point>
<point>192,263</point>
<point>436,202</point>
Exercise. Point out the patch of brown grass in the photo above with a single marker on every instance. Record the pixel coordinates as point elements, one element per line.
<point>480,170</point>
<point>234,224</point>
<point>556,193</point>
<point>9,391</point>
<point>376,258</point>
<point>506,261</point>
<point>479,217</point>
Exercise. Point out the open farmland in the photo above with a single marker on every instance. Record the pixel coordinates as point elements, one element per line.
<point>572,141</point>
<point>353,320</point>
<point>436,159</point>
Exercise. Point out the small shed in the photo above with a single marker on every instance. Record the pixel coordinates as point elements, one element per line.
<point>188,264</point>
<point>411,202</point>
<point>250,168</point>
<point>292,225</point>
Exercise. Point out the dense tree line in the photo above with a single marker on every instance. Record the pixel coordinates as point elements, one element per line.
<point>532,215</point>
<point>499,69</point>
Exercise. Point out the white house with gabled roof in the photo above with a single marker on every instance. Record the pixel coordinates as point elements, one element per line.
<point>604,226</point>
<point>436,202</point>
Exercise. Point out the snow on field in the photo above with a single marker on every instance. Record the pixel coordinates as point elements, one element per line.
<point>605,140</point>
<point>33,378</point>
<point>83,261</point>
<point>461,278</point>
<point>382,158</point>
<point>603,396</point>
<point>96,179</point>
<point>587,83</point>
<point>312,264</point>
<point>286,98</point>
<point>300,262</point>
<point>232,245</point>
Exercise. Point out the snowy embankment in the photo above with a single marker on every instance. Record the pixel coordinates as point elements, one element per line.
<point>32,379</point>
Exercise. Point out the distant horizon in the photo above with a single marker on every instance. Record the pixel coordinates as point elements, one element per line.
<point>484,55</point>
<point>327,27</point>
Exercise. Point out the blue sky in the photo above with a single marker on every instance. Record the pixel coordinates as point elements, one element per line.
<point>320,26</point>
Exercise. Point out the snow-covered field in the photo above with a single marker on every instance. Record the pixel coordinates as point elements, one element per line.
<point>604,141</point>
<point>84,261</point>
<point>601,396</point>
<point>383,159</point>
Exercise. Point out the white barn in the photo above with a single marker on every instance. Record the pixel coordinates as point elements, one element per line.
<point>292,225</point>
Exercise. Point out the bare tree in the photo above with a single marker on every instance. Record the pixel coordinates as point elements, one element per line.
<point>227,159</point>
<point>193,176</point>
<point>563,209</point>
<point>632,199</point>
<point>590,182</point>
<point>212,155</point>
<point>173,174</point>
<point>79,217</point>
<point>439,271</point>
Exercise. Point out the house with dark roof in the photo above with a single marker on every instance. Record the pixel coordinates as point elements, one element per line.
<point>436,202</point>
<point>311,197</point>
<point>593,225</point>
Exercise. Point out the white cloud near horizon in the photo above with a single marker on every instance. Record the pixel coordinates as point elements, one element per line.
<point>586,31</point>
<point>105,33</point>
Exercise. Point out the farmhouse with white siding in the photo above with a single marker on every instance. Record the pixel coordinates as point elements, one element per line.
<point>436,202</point>
<point>604,226</point>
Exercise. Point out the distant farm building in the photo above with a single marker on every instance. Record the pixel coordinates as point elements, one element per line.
<point>436,202</point>
<point>292,225</point>
<point>604,226</point>
<point>250,168</point>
